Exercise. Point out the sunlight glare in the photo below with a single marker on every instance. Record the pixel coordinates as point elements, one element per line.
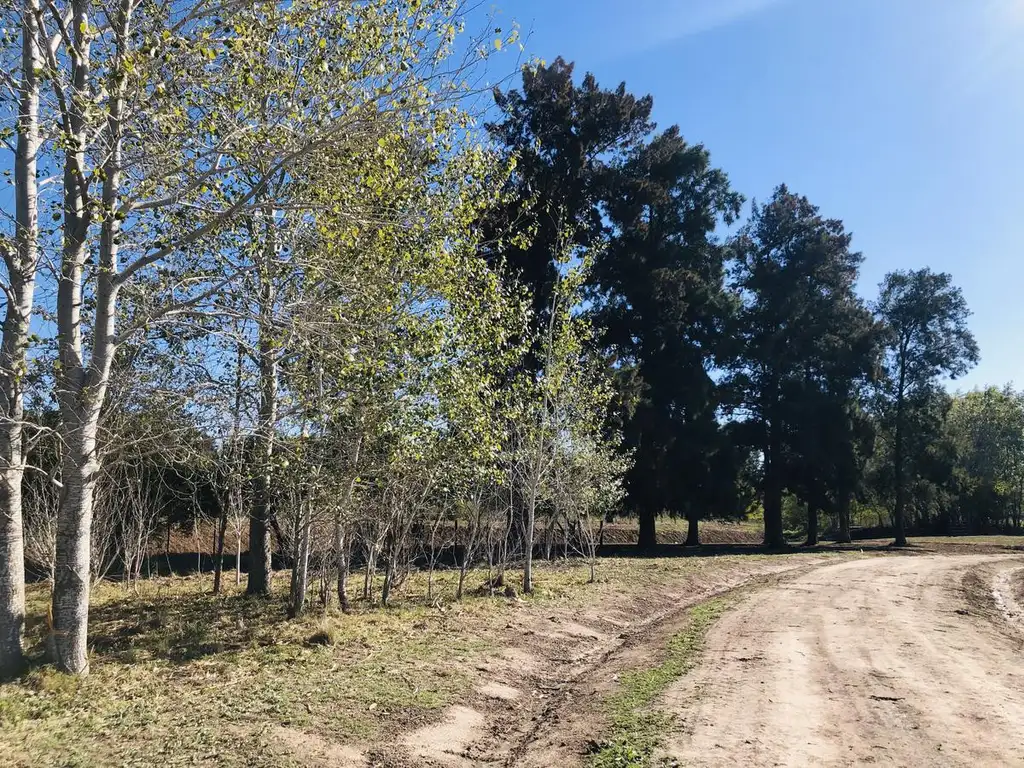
<point>1008,13</point>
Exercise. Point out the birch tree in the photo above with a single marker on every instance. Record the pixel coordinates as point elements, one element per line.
<point>20,258</point>
<point>176,119</point>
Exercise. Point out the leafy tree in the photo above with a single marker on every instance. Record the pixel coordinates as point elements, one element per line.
<point>794,274</point>
<point>176,126</point>
<point>659,293</point>
<point>925,316</point>
<point>829,434</point>
<point>562,138</point>
<point>657,289</point>
<point>986,428</point>
<point>556,413</point>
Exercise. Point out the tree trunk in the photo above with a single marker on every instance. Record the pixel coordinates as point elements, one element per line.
<point>844,518</point>
<point>812,524</point>
<point>647,537</point>
<point>530,516</point>
<point>300,568</point>
<point>21,271</point>
<point>389,578</point>
<point>81,385</point>
<point>898,461</point>
<point>341,553</point>
<point>260,563</point>
<point>80,388</point>
<point>70,608</point>
<point>692,529</point>
<point>218,563</point>
<point>12,563</point>
<point>528,524</point>
<point>592,545</point>
<point>260,555</point>
<point>463,565</point>
<point>774,535</point>
<point>371,567</point>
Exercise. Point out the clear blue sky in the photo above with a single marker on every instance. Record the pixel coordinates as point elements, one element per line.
<point>904,118</point>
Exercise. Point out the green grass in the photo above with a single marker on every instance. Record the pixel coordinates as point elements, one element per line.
<point>183,677</point>
<point>637,729</point>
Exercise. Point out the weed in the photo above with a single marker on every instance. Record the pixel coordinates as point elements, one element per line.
<point>326,634</point>
<point>49,680</point>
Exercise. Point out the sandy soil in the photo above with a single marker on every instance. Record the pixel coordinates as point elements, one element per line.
<point>909,661</point>
<point>538,702</point>
<point>891,660</point>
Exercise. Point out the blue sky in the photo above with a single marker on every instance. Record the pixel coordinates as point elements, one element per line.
<point>904,118</point>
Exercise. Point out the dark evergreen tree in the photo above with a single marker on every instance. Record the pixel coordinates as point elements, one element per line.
<point>659,292</point>
<point>563,138</point>
<point>927,339</point>
<point>802,338</point>
<point>584,165</point>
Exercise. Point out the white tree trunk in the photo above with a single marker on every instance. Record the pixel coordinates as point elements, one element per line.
<point>300,568</point>
<point>81,384</point>
<point>68,639</point>
<point>21,270</point>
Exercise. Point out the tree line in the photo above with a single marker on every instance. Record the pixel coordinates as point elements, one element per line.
<point>745,366</point>
<point>277,265</point>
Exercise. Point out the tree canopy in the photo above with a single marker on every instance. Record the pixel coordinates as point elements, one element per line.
<point>283,280</point>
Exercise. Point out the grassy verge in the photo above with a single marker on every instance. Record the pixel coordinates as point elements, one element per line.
<point>194,678</point>
<point>183,677</point>
<point>636,728</point>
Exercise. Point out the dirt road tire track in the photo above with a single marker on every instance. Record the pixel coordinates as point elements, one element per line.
<point>557,733</point>
<point>891,661</point>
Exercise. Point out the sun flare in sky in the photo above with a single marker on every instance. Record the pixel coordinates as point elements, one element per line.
<point>1006,19</point>
<point>993,52</point>
<point>1013,11</point>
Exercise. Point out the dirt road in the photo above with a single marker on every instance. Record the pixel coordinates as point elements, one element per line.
<point>908,661</point>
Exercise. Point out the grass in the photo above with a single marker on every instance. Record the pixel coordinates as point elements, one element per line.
<point>192,678</point>
<point>182,677</point>
<point>637,728</point>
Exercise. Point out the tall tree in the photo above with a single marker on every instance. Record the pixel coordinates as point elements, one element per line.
<point>193,112</point>
<point>562,137</point>
<point>827,436</point>
<point>659,293</point>
<point>986,427</point>
<point>795,274</point>
<point>927,339</point>
<point>20,258</point>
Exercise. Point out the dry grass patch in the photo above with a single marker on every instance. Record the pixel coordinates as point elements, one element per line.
<point>186,677</point>
<point>183,677</point>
